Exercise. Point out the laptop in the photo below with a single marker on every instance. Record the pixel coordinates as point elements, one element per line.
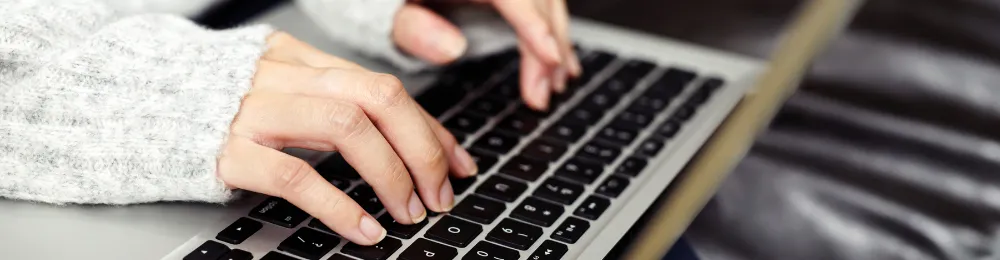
<point>565,184</point>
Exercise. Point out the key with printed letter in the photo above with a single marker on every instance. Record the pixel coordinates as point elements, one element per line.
<point>613,186</point>
<point>592,207</point>
<point>399,230</point>
<point>489,251</point>
<point>365,196</point>
<point>479,209</point>
<point>497,142</point>
<point>538,212</point>
<point>501,188</point>
<point>581,171</point>
<point>424,249</point>
<point>514,234</point>
<point>524,168</point>
<point>454,231</point>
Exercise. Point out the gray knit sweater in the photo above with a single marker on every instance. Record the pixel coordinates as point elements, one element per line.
<point>118,101</point>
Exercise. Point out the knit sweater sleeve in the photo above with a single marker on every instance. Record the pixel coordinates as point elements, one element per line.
<point>102,106</point>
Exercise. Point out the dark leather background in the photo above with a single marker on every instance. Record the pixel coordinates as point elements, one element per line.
<point>890,150</point>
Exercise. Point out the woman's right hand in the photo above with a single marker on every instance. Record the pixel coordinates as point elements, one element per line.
<point>304,98</point>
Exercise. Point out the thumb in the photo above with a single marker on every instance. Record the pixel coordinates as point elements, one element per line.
<point>426,35</point>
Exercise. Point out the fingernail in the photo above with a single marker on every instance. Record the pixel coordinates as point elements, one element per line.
<point>447,196</point>
<point>560,75</point>
<point>551,47</point>
<point>452,46</point>
<point>465,159</point>
<point>417,212</point>
<point>371,229</point>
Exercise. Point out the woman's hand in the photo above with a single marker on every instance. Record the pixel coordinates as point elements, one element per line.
<point>542,26</point>
<point>304,98</point>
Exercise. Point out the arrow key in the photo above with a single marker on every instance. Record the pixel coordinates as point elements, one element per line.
<point>210,250</point>
<point>550,250</point>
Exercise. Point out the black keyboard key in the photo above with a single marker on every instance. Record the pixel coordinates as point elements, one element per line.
<point>632,120</point>
<point>545,150</point>
<point>594,62</point>
<point>279,212</point>
<point>559,191</point>
<point>601,152</point>
<point>525,110</point>
<point>636,69</point>
<point>615,88</point>
<point>465,122</point>
<point>668,129</point>
<point>365,196</point>
<point>341,184</point>
<point>210,250</point>
<point>632,166</point>
<point>684,112</point>
<point>571,230</point>
<point>592,207</point>
<point>277,256</point>
<point>566,130</point>
<point>400,230</point>
<point>514,234</point>
<point>488,106</point>
<point>315,223</point>
<point>538,212</point>
<point>581,115</point>
<point>617,135</point>
<point>340,257</point>
<point>651,147</point>
<point>613,186</point>
<point>712,84</point>
<point>580,170</point>
<point>556,100</point>
<point>489,251</point>
<point>648,105</point>
<point>497,142</point>
<point>502,188</point>
<point>308,243</point>
<point>459,136</point>
<point>671,83</point>
<point>522,167</point>
<point>424,249</point>
<point>460,185</point>
<point>479,209</point>
<point>549,250</point>
<point>508,89</point>
<point>440,98</point>
<point>454,231</point>
<point>484,160</point>
<point>519,123</point>
<point>239,231</point>
<point>379,251</point>
<point>336,166</point>
<point>598,101</point>
<point>237,254</point>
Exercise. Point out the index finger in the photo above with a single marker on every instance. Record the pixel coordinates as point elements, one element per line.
<point>531,27</point>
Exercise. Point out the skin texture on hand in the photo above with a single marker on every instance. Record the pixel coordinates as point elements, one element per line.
<point>304,98</point>
<point>542,27</point>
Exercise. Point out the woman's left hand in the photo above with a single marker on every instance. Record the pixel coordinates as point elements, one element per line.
<point>542,27</point>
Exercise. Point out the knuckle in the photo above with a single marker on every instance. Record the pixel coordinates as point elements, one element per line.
<point>348,120</point>
<point>387,91</point>
<point>293,177</point>
<point>436,160</point>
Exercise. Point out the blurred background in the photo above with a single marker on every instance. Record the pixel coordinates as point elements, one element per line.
<point>890,150</point>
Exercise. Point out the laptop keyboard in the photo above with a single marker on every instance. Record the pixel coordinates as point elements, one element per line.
<point>514,147</point>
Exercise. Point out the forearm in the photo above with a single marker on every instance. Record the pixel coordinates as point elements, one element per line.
<point>97,106</point>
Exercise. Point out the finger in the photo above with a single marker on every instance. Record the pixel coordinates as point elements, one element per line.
<point>326,125</point>
<point>535,81</point>
<point>463,166</point>
<point>426,35</point>
<point>396,115</point>
<point>247,165</point>
<point>559,20</point>
<point>285,48</point>
<point>531,28</point>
